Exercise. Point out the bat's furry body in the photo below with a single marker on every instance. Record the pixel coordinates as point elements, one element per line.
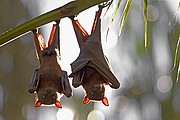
<point>91,57</point>
<point>49,79</point>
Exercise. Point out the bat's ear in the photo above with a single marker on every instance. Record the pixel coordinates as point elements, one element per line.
<point>58,104</point>
<point>38,104</point>
<point>86,100</point>
<point>105,101</point>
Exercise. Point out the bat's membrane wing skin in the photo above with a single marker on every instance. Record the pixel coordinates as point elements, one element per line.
<point>78,78</point>
<point>33,85</point>
<point>91,53</point>
<point>65,84</point>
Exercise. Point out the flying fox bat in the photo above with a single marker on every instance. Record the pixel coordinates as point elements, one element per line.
<point>91,69</point>
<point>49,79</point>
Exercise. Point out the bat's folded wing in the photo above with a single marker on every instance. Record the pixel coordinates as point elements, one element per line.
<point>33,85</point>
<point>94,58</point>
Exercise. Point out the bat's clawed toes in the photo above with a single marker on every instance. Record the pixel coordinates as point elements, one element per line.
<point>86,100</point>
<point>105,101</point>
<point>38,104</point>
<point>72,17</point>
<point>58,104</point>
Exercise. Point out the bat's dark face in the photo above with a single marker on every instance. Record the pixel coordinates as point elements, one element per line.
<point>96,92</point>
<point>47,96</point>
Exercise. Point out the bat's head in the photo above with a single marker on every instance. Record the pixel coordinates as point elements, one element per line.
<point>96,92</point>
<point>47,96</point>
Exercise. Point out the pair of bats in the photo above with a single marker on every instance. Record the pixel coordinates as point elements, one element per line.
<point>90,69</point>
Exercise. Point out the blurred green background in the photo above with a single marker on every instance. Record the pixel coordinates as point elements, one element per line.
<point>149,90</point>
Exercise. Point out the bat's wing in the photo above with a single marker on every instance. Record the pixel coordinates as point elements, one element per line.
<point>65,84</point>
<point>78,78</point>
<point>91,53</point>
<point>33,85</point>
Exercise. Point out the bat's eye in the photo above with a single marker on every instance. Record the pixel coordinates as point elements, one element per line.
<point>91,93</point>
<point>43,96</point>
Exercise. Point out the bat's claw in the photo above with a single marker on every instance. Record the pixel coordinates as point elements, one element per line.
<point>34,31</point>
<point>57,22</point>
<point>72,17</point>
<point>105,4</point>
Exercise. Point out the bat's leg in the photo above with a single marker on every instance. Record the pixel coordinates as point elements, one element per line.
<point>65,84</point>
<point>80,32</point>
<point>33,85</point>
<point>97,18</point>
<point>78,78</point>
<point>54,39</point>
<point>39,42</point>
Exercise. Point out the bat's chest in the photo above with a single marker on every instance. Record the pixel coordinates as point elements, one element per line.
<point>50,78</point>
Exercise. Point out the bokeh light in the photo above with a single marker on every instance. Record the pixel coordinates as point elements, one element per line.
<point>164,84</point>
<point>65,114</point>
<point>96,115</point>
<point>152,13</point>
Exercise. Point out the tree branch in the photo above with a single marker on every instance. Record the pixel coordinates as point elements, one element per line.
<point>70,9</point>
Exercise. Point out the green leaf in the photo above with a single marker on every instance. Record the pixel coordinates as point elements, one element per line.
<point>115,12</point>
<point>145,25</point>
<point>123,17</point>
<point>178,72</point>
<point>175,59</point>
<point>70,9</point>
<point>125,13</point>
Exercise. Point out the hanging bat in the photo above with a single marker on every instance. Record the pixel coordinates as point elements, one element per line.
<point>49,79</point>
<point>91,69</point>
